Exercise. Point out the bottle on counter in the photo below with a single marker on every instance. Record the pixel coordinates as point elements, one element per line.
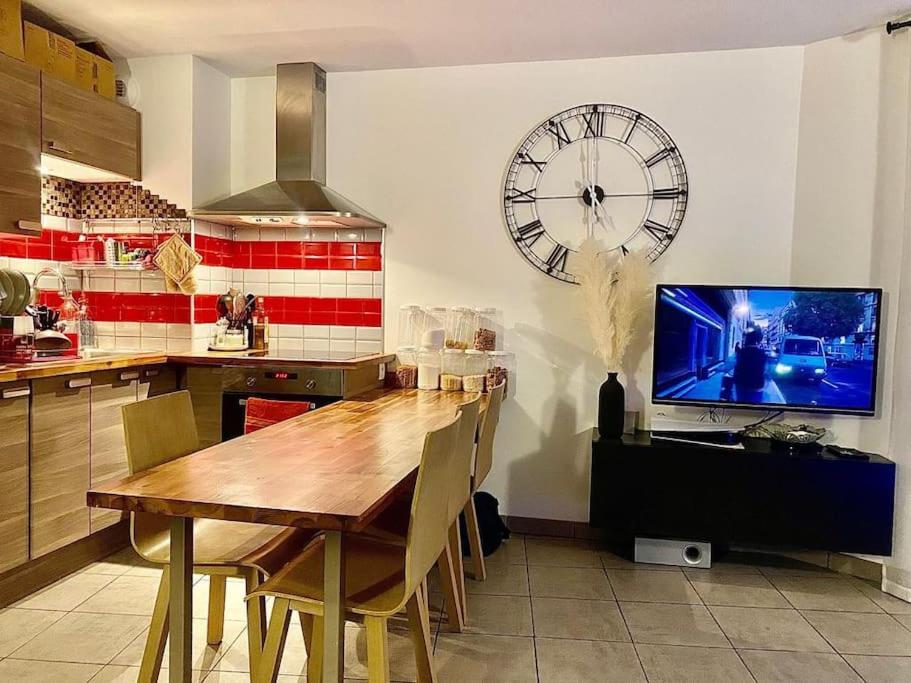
<point>260,326</point>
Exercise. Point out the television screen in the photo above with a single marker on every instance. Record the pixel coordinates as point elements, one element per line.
<point>766,347</point>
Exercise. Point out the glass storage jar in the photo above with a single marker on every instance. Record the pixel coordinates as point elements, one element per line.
<point>501,367</point>
<point>460,327</point>
<point>489,333</point>
<point>475,371</point>
<point>453,369</point>
<point>434,332</point>
<point>411,325</point>
<point>406,371</point>
<point>428,368</point>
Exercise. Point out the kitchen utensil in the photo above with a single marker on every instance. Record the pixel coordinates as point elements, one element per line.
<point>21,291</point>
<point>7,284</point>
<point>221,307</point>
<point>52,340</point>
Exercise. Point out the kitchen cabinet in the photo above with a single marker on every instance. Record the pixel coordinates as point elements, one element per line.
<point>110,391</point>
<point>157,380</point>
<point>20,146</point>
<point>14,416</point>
<point>86,128</point>
<point>60,471</point>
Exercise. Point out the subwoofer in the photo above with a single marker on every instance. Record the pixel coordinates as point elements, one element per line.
<point>673,552</point>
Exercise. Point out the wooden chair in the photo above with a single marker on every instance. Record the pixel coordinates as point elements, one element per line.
<point>380,578</point>
<point>162,429</point>
<point>264,412</point>
<point>482,464</point>
<point>392,524</point>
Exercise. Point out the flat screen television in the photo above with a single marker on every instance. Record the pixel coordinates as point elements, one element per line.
<point>772,348</point>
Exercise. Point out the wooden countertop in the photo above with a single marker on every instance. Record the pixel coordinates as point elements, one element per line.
<point>334,468</point>
<point>12,372</point>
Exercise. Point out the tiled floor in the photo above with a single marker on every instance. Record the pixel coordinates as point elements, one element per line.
<point>552,610</point>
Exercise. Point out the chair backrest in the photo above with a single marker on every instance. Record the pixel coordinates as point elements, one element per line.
<point>428,529</point>
<point>264,412</point>
<point>484,458</point>
<point>157,430</point>
<point>460,477</point>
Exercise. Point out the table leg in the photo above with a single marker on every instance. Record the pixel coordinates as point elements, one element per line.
<point>334,618</point>
<point>181,600</point>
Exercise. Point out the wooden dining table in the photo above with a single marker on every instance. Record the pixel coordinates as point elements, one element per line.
<point>334,469</point>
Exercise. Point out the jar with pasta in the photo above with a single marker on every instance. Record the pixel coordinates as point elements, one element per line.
<point>406,371</point>
<point>453,369</point>
<point>429,369</point>
<point>475,375</point>
<point>460,327</point>
<point>489,333</point>
<point>501,368</point>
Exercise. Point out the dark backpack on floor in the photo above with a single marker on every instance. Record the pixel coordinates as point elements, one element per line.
<point>493,530</point>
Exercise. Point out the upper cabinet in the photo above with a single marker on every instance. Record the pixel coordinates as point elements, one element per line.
<point>20,146</point>
<point>81,127</point>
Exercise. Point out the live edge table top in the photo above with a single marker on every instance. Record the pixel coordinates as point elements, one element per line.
<point>335,468</point>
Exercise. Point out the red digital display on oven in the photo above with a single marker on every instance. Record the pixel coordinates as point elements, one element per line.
<point>281,375</point>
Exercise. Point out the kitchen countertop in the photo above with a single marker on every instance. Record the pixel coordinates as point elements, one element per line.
<point>95,361</point>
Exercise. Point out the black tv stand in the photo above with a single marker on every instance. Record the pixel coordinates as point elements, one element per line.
<point>759,494</point>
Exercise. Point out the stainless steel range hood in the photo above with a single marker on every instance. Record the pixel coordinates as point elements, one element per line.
<point>298,195</point>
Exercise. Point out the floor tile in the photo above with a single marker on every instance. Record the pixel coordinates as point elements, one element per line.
<point>205,657</point>
<point>86,638</point>
<point>511,551</point>
<point>401,654</point>
<point>862,634</point>
<point>235,605</point>
<point>66,594</point>
<point>704,664</point>
<point>504,579</point>
<point>785,667</point>
<point>578,619</point>
<point>18,626</point>
<point>648,586</point>
<point>124,595</point>
<point>884,601</point>
<point>738,590</point>
<point>561,552</point>
<point>294,658</point>
<point>769,629</point>
<point>569,582</point>
<point>611,560</point>
<point>809,592</point>
<point>117,564</point>
<point>460,657</point>
<point>672,624</point>
<point>881,669</point>
<point>503,615</point>
<point>583,661</point>
<point>46,672</point>
<point>235,677</point>
<point>115,673</point>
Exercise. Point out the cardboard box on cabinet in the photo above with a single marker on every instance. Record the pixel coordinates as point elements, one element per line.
<point>103,72</point>
<point>11,29</point>
<point>52,53</point>
<point>85,69</point>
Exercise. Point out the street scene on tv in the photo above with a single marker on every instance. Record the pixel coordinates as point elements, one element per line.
<point>768,347</point>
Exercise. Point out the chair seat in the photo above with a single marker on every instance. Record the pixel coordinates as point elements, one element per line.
<point>220,543</point>
<point>374,578</point>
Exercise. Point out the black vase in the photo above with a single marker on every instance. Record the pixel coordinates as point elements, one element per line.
<point>611,408</point>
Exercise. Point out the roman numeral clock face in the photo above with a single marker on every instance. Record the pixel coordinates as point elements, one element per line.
<point>597,169</point>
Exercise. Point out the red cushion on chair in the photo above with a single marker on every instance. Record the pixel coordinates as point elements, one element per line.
<point>262,412</point>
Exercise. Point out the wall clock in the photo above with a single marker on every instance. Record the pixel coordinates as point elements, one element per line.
<point>596,169</point>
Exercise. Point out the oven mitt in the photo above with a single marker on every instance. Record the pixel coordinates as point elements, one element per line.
<point>176,260</point>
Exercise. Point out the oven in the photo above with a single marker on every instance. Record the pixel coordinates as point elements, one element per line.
<point>317,386</point>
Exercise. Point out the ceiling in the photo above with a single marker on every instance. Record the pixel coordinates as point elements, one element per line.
<point>248,37</point>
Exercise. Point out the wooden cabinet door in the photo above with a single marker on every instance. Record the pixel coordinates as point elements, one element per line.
<point>20,144</point>
<point>111,390</point>
<point>13,475</point>
<point>59,462</point>
<point>157,380</point>
<point>81,126</point>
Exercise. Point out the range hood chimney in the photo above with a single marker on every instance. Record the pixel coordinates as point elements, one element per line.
<point>298,195</point>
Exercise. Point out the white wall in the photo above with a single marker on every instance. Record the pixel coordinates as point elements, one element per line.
<point>426,149</point>
<point>252,132</point>
<point>211,133</point>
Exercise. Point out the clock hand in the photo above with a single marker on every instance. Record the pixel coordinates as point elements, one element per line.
<point>607,194</point>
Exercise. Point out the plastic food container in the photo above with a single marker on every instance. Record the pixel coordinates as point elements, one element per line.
<point>406,372</point>
<point>501,368</point>
<point>429,365</point>
<point>489,333</point>
<point>475,377</point>
<point>453,369</point>
<point>411,325</point>
<point>461,323</point>
<point>434,332</point>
